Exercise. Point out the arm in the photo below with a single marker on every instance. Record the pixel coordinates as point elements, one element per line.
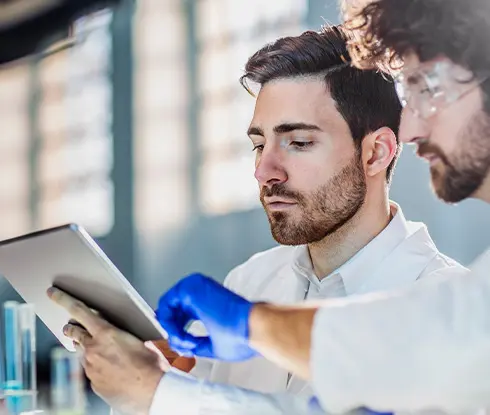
<point>424,348</point>
<point>283,335</point>
<point>427,348</point>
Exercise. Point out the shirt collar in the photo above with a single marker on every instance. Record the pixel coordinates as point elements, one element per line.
<point>354,272</point>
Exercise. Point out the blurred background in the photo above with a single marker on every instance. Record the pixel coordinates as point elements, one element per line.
<point>139,134</point>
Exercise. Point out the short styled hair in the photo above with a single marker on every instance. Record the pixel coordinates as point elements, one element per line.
<point>366,99</point>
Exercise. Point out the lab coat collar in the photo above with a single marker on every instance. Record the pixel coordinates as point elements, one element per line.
<point>370,260</point>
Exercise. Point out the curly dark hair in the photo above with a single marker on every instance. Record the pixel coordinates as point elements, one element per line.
<point>366,99</point>
<point>386,30</point>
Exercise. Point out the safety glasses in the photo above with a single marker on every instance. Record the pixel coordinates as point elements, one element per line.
<point>434,86</point>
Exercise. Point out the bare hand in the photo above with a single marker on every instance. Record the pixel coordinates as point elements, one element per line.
<point>121,369</point>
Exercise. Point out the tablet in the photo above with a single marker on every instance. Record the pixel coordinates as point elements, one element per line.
<point>68,258</point>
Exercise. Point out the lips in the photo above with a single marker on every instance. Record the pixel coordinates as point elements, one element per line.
<point>278,204</point>
<point>272,200</point>
<point>431,158</point>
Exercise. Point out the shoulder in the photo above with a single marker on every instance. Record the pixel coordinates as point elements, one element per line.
<point>259,267</point>
<point>442,265</point>
<point>437,262</point>
<point>481,263</point>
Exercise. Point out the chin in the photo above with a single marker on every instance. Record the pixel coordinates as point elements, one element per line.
<point>447,196</point>
<point>284,236</point>
<point>439,188</point>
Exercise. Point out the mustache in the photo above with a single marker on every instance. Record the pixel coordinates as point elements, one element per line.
<point>280,190</point>
<point>426,148</point>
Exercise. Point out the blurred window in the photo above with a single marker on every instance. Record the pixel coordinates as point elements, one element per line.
<point>161,133</point>
<point>75,127</point>
<point>228,33</point>
<point>15,214</point>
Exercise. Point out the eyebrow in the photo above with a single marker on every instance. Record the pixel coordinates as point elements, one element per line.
<point>288,127</point>
<point>285,128</point>
<point>255,131</point>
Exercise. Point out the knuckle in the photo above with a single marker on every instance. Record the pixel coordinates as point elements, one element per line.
<point>77,307</point>
<point>82,339</point>
<point>87,338</point>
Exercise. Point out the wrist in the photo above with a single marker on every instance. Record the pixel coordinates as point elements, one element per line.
<point>238,317</point>
<point>258,323</point>
<point>152,381</point>
<point>283,335</point>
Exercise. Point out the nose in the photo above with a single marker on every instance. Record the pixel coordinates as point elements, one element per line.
<point>269,169</point>
<point>412,127</point>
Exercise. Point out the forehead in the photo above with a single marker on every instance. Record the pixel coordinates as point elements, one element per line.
<point>410,62</point>
<point>296,99</point>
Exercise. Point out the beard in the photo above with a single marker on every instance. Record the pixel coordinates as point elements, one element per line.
<point>465,170</point>
<point>321,212</point>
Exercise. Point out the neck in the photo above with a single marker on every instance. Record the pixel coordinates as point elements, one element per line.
<point>484,190</point>
<point>337,248</point>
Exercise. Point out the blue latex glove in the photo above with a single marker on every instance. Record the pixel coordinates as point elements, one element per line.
<point>367,411</point>
<point>315,407</point>
<point>224,314</point>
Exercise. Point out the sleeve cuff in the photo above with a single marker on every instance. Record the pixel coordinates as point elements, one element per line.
<point>177,392</point>
<point>202,369</point>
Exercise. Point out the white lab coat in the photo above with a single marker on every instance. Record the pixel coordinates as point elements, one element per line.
<point>422,349</point>
<point>425,348</point>
<point>284,275</point>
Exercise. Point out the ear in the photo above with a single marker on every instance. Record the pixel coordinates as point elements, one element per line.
<point>378,150</point>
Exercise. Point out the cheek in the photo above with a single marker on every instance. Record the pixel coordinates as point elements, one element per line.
<point>449,127</point>
<point>444,137</point>
<point>307,176</point>
<point>452,124</point>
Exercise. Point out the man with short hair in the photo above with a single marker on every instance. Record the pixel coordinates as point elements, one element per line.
<point>427,348</point>
<point>325,156</point>
<point>325,137</point>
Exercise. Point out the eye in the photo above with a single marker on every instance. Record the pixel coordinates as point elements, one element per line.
<point>430,91</point>
<point>432,85</point>
<point>301,145</point>
<point>258,148</point>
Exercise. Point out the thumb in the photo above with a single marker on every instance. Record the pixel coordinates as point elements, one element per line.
<point>204,347</point>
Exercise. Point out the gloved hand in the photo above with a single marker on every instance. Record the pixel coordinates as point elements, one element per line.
<point>367,411</point>
<point>224,314</point>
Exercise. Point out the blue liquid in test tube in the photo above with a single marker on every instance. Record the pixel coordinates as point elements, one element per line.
<point>20,386</point>
<point>27,328</point>
<point>13,367</point>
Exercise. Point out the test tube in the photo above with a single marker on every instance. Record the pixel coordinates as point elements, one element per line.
<point>67,383</point>
<point>27,328</point>
<point>13,365</point>
<point>20,357</point>
<point>13,375</point>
